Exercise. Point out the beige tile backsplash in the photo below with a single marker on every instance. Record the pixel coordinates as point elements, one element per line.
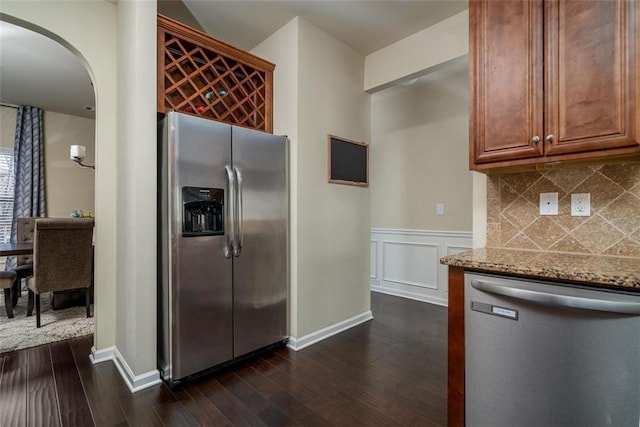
<point>513,219</point>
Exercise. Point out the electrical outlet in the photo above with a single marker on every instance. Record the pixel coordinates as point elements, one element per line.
<point>581,204</point>
<point>548,203</point>
<point>439,208</point>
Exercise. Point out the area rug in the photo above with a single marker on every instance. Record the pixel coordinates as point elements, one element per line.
<point>57,325</point>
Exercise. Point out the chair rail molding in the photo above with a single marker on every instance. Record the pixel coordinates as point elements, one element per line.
<point>406,262</point>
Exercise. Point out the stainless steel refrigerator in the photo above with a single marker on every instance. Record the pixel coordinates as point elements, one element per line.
<point>222,244</point>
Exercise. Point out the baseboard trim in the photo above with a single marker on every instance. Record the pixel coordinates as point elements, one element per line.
<point>103,355</point>
<point>134,382</point>
<point>409,295</point>
<point>317,336</point>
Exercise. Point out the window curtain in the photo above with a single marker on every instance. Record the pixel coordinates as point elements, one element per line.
<point>28,152</point>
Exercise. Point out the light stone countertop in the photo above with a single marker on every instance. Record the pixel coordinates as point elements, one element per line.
<point>603,270</point>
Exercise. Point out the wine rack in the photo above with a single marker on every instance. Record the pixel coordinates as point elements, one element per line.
<point>200,75</point>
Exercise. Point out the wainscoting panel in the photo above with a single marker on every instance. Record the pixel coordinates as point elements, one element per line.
<point>413,264</point>
<point>406,263</point>
<point>374,260</point>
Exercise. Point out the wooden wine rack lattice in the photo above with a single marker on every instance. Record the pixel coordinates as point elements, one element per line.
<point>203,76</point>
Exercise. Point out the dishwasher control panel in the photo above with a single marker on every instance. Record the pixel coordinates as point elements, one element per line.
<point>495,310</point>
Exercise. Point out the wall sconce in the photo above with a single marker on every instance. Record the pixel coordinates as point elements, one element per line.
<point>77,154</point>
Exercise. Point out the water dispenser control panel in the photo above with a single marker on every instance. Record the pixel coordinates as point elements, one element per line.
<point>203,211</point>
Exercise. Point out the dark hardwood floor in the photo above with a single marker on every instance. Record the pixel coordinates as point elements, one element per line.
<point>389,371</point>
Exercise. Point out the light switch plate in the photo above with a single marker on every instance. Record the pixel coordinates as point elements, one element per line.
<point>548,203</point>
<point>581,204</point>
<point>440,208</point>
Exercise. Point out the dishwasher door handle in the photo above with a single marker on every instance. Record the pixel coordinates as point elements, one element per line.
<point>586,303</point>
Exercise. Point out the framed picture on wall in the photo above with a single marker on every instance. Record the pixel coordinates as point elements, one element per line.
<point>348,161</point>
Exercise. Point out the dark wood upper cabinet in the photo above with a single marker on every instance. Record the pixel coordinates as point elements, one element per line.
<point>506,78</point>
<point>553,80</point>
<point>200,75</point>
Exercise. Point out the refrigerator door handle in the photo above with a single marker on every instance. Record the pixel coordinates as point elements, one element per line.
<point>239,235</point>
<point>229,222</point>
<point>559,299</point>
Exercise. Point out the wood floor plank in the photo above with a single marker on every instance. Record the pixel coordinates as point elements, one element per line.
<point>13,389</point>
<point>382,370</point>
<point>73,405</point>
<point>138,407</point>
<point>407,401</point>
<point>42,399</point>
<point>400,405</point>
<point>297,388</point>
<point>301,414</point>
<point>200,408</point>
<point>327,387</point>
<point>259,381</point>
<point>228,404</point>
<point>332,413</point>
<point>102,384</point>
<point>280,396</point>
<point>414,344</point>
<point>174,414</point>
<point>253,400</point>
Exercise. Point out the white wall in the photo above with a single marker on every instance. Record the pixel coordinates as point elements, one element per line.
<point>88,29</point>
<point>318,91</point>
<point>419,53</point>
<point>68,186</point>
<point>7,126</point>
<point>420,151</point>
<point>333,220</point>
<point>136,322</point>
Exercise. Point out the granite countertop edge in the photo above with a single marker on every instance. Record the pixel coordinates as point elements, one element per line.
<point>603,270</point>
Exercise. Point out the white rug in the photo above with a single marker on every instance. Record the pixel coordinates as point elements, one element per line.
<point>57,325</point>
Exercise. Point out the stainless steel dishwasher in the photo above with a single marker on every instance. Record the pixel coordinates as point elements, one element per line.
<point>541,354</point>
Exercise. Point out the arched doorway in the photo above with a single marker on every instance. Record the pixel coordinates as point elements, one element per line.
<point>40,72</point>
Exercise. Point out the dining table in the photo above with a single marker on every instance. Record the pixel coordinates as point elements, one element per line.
<point>13,249</point>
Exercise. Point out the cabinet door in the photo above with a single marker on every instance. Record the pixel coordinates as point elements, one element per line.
<point>506,79</point>
<point>591,52</point>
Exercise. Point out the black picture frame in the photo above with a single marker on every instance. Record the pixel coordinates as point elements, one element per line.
<point>348,161</point>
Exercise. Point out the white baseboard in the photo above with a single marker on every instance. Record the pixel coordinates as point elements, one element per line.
<point>134,382</point>
<point>410,295</point>
<point>103,355</point>
<point>317,336</point>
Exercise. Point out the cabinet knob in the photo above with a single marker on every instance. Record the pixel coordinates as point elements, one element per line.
<point>535,139</point>
<point>549,138</point>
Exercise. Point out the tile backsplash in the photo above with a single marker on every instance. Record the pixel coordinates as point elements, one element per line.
<point>513,219</point>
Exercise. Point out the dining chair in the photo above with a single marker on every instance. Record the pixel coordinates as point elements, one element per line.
<point>62,257</point>
<point>7,278</point>
<point>24,263</point>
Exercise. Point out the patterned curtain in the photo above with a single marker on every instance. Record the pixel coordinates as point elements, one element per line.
<point>28,152</point>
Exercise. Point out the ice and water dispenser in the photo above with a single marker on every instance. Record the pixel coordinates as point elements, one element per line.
<point>203,211</point>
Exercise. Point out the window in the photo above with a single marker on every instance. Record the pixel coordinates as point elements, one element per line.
<point>7,184</point>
